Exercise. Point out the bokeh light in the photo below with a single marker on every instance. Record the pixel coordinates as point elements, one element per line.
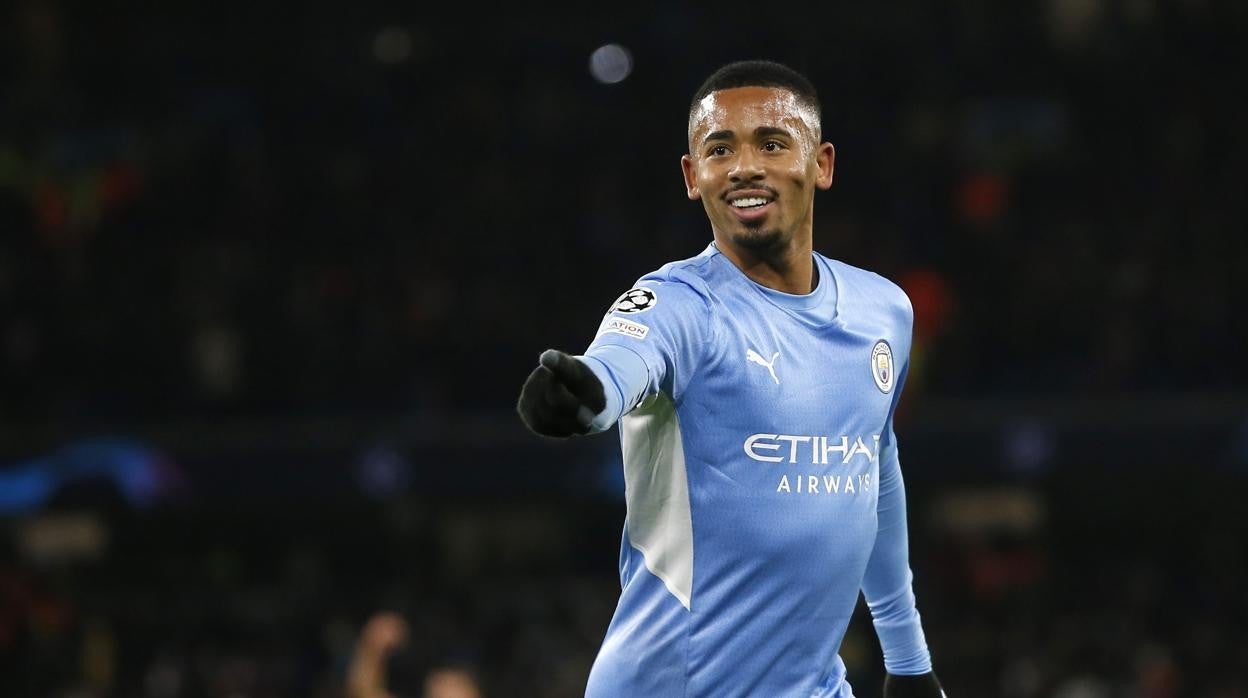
<point>392,45</point>
<point>610,64</point>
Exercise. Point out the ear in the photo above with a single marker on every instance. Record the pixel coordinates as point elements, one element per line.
<point>825,159</point>
<point>689,170</point>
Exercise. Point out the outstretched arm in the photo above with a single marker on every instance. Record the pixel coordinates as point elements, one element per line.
<point>627,361</point>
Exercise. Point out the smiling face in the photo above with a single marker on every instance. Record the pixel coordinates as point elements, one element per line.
<point>755,160</point>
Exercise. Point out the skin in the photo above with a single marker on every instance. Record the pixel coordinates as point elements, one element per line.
<point>451,683</point>
<point>760,140</point>
<point>381,637</point>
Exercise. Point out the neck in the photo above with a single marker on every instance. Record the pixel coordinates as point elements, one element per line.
<point>790,269</point>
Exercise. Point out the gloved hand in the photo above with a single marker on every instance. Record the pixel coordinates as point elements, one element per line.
<point>920,686</point>
<point>561,396</point>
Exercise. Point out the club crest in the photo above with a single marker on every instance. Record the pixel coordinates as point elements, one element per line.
<point>882,366</point>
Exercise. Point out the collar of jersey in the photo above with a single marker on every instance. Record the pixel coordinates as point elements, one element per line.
<point>800,304</point>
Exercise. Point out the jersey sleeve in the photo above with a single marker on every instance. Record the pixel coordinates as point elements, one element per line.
<point>887,584</point>
<point>651,340</point>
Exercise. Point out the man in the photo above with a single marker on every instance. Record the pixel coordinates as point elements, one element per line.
<point>755,386</point>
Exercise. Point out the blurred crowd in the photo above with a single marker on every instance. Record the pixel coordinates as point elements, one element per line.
<point>507,599</point>
<point>373,209</point>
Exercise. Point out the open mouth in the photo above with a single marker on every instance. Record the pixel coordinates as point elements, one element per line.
<point>751,205</point>
<point>749,202</point>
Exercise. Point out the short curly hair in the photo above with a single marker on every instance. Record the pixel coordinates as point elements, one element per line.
<point>759,73</point>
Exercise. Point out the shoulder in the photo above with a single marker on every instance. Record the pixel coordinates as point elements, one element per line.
<point>685,283</point>
<point>668,308</point>
<point>866,291</point>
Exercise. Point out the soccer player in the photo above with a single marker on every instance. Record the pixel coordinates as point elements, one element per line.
<point>755,386</point>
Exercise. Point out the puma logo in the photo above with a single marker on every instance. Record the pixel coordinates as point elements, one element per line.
<point>754,357</point>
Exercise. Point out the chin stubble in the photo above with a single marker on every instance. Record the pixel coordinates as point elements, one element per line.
<point>759,240</point>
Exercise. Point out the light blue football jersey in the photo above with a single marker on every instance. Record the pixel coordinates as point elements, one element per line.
<point>762,481</point>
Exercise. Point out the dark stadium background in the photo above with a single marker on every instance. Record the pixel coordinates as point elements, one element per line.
<point>271,276</point>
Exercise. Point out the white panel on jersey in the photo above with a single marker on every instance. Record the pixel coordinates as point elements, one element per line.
<point>658,521</point>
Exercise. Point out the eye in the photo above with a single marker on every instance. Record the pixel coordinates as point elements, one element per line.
<point>773,146</point>
<point>717,150</point>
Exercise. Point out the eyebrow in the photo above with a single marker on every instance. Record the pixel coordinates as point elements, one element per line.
<point>760,132</point>
<point>771,131</point>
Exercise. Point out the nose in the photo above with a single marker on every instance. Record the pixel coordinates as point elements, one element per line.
<point>746,168</point>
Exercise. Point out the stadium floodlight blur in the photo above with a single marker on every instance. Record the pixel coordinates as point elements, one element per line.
<point>610,63</point>
<point>122,471</point>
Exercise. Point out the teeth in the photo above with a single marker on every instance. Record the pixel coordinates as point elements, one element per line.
<point>750,202</point>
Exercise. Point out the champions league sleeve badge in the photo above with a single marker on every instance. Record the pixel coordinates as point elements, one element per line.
<point>635,300</point>
<point>882,366</point>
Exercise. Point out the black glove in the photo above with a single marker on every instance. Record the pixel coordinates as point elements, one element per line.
<point>561,396</point>
<point>921,686</point>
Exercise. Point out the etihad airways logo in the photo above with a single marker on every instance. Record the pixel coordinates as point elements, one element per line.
<point>788,448</point>
<point>815,450</point>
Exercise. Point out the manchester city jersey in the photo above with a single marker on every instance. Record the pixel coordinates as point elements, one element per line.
<point>762,481</point>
